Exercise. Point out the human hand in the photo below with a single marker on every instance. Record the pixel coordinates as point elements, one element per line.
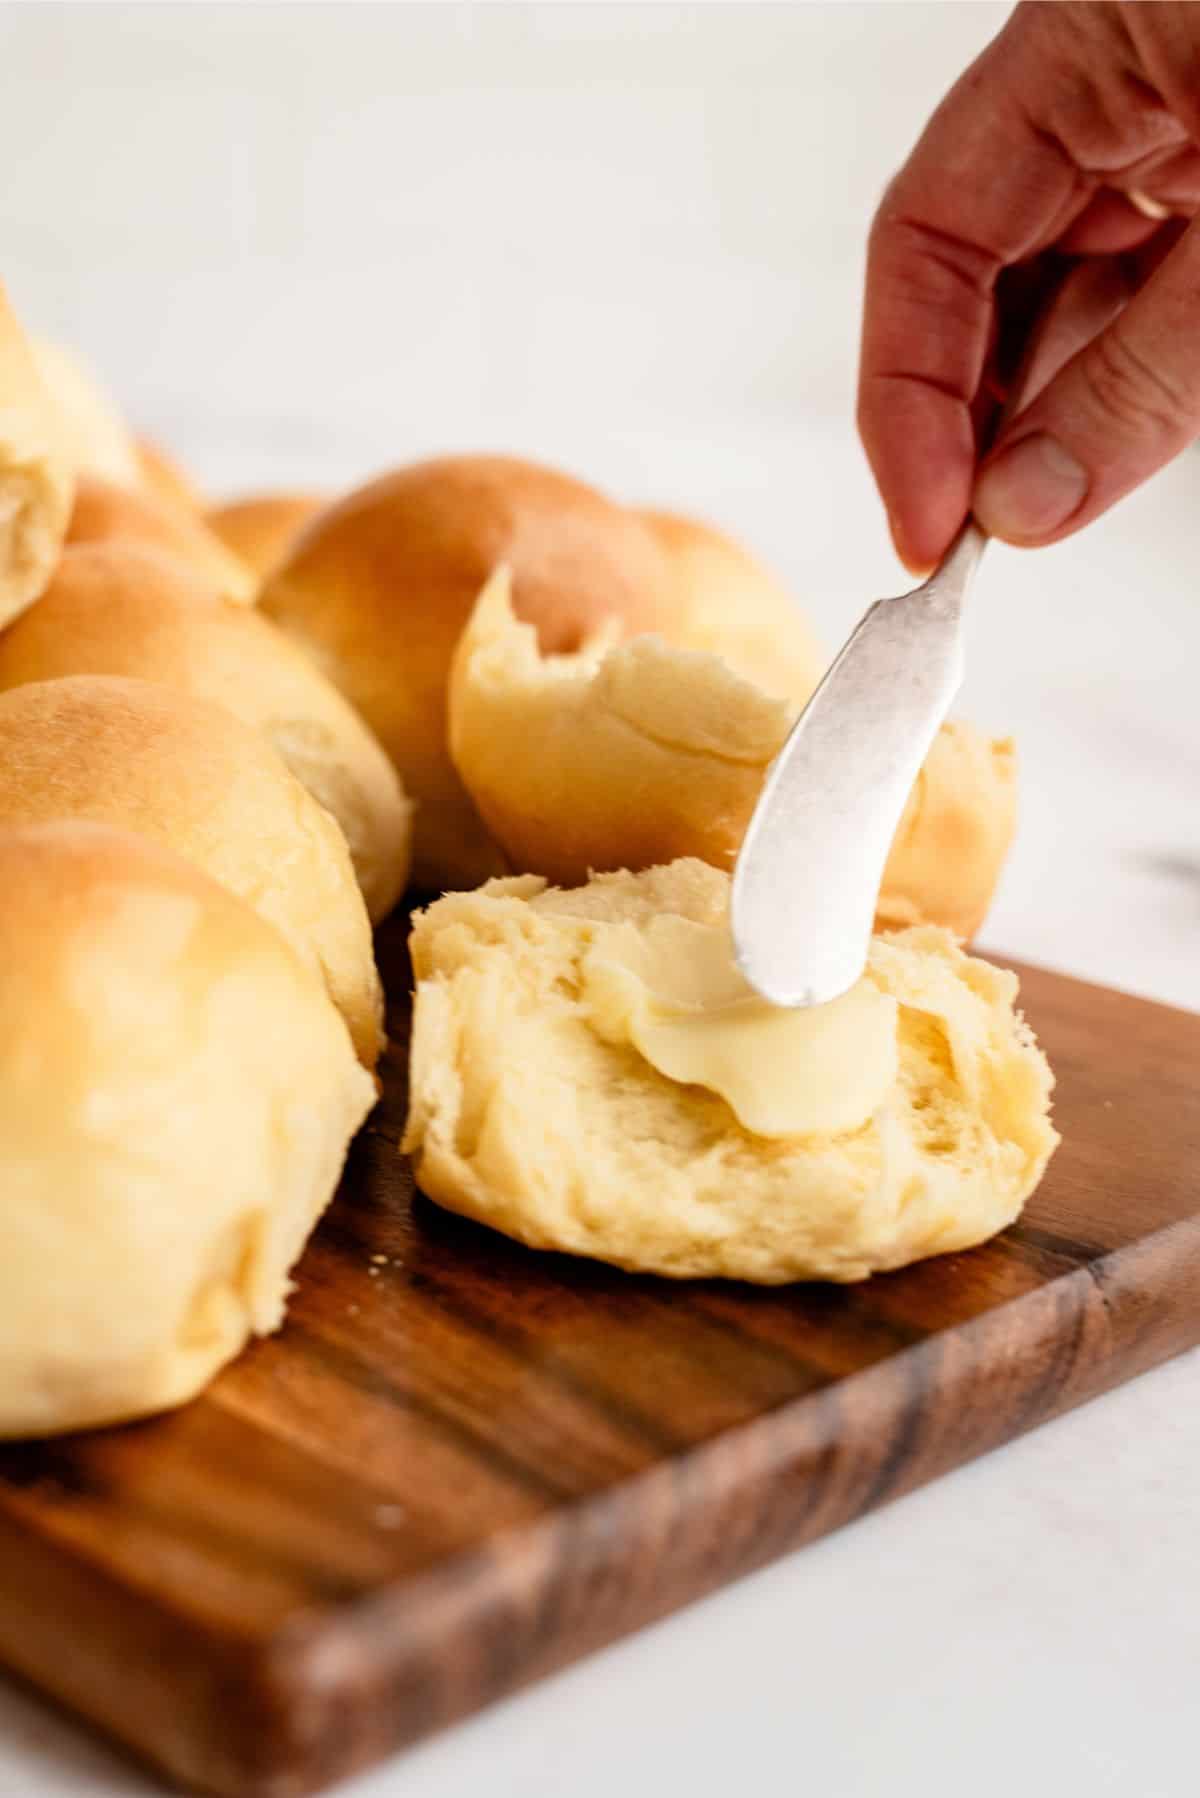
<point>1026,166</point>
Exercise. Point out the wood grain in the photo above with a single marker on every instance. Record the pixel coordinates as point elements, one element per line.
<point>461,1464</point>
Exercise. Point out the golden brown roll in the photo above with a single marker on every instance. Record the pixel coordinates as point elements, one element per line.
<point>189,775</point>
<point>176,1097</point>
<point>166,478</point>
<point>955,834</point>
<point>105,513</point>
<point>37,477</point>
<point>730,605</point>
<point>590,1073</point>
<point>121,608</point>
<point>632,754</point>
<point>379,587</point>
<point>94,433</point>
<point>261,529</point>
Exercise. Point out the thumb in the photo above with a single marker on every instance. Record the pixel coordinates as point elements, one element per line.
<point>1119,409</point>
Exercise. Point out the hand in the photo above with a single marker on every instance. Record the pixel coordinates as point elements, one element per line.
<point>1029,162</point>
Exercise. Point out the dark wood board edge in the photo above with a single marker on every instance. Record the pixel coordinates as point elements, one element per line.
<point>338,1690</point>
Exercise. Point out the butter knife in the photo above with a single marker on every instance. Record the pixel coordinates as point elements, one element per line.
<point>811,864</point>
<point>809,871</point>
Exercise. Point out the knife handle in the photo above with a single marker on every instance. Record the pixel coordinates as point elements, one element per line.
<point>962,558</point>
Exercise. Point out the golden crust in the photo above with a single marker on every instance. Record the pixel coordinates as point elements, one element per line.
<point>176,1097</point>
<point>263,528</point>
<point>120,608</point>
<point>729,604</point>
<point>189,775</point>
<point>106,513</point>
<point>380,586</point>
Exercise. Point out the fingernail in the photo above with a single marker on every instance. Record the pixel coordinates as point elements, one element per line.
<point>1030,490</point>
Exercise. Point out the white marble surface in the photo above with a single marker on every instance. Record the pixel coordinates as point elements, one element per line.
<point>305,243</point>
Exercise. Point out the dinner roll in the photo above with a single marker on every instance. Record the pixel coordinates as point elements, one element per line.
<point>121,608</point>
<point>956,831</point>
<point>626,755</point>
<point>95,435</point>
<point>731,606</point>
<point>590,1073</point>
<point>36,473</point>
<point>261,530</point>
<point>105,513</point>
<point>166,478</point>
<point>137,756</point>
<point>379,587</point>
<point>176,1097</point>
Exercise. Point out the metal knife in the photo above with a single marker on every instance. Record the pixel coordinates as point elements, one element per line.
<point>811,863</point>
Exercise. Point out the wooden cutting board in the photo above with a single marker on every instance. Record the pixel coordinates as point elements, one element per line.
<point>462,1464</point>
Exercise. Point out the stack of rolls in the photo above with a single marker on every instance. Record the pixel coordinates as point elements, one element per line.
<point>121,608</point>
<point>196,831</point>
<point>232,736</point>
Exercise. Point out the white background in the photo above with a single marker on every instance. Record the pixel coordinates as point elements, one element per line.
<point>307,242</point>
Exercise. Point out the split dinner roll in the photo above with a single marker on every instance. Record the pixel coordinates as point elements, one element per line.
<point>37,476</point>
<point>379,588</point>
<point>728,604</point>
<point>106,513</point>
<point>261,529</point>
<point>176,1097</point>
<point>625,755</point>
<point>120,608</point>
<point>589,1073</point>
<point>191,776</point>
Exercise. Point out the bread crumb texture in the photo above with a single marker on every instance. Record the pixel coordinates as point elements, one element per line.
<point>523,1117</point>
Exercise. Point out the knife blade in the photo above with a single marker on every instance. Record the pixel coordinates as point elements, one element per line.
<point>811,863</point>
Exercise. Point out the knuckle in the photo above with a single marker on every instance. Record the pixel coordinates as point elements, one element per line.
<point>936,266</point>
<point>1128,389</point>
<point>933,288</point>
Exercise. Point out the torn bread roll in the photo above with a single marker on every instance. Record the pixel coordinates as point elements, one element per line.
<point>106,513</point>
<point>121,608</point>
<point>625,755</point>
<point>263,528</point>
<point>379,587</point>
<point>176,1098</point>
<point>37,476</point>
<point>728,604</point>
<point>590,1073</point>
<point>189,775</point>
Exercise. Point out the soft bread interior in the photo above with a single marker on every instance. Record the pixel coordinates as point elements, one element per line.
<point>524,1116</point>
<point>629,754</point>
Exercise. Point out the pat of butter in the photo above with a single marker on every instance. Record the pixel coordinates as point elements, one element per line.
<point>674,992</point>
